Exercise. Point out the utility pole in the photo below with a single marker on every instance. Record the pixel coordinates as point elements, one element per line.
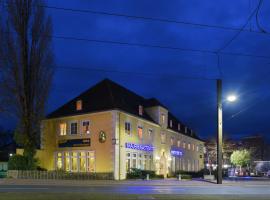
<point>219,131</point>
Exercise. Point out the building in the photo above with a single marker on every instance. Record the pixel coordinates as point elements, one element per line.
<point>7,149</point>
<point>111,129</point>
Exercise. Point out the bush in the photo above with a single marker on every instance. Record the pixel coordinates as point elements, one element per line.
<point>17,162</point>
<point>198,174</point>
<point>186,176</point>
<point>135,173</point>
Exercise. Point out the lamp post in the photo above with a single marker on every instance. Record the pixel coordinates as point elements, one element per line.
<point>219,131</point>
<point>230,98</point>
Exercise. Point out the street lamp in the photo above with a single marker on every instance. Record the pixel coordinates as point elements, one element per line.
<point>231,98</point>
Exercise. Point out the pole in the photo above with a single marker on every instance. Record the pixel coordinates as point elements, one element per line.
<point>219,131</point>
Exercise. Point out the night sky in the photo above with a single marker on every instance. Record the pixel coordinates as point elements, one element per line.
<point>193,101</point>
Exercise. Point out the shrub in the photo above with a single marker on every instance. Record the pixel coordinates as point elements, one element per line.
<point>17,162</point>
<point>198,174</point>
<point>135,173</point>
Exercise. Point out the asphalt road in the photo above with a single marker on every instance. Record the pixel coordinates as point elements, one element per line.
<point>251,189</point>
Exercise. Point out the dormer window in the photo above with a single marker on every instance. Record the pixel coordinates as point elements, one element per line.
<point>162,118</point>
<point>185,129</point>
<point>179,127</point>
<point>79,105</point>
<point>140,110</point>
<point>171,123</point>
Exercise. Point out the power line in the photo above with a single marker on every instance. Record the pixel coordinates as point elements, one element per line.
<point>132,72</point>
<point>241,29</point>
<point>164,20</point>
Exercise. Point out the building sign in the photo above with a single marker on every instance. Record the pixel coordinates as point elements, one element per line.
<point>176,152</point>
<point>75,143</point>
<point>141,147</point>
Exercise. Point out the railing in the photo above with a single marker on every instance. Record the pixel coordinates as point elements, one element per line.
<point>61,175</point>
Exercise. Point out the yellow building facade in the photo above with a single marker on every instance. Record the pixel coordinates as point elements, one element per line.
<point>130,132</point>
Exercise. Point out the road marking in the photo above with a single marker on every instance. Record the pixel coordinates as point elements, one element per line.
<point>146,197</point>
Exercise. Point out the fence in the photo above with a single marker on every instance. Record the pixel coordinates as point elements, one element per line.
<point>60,175</point>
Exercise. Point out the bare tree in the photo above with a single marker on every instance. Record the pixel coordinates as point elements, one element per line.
<point>26,67</point>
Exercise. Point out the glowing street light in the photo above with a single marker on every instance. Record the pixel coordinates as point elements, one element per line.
<point>231,98</point>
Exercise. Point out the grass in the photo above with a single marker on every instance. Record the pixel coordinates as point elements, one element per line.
<point>90,196</point>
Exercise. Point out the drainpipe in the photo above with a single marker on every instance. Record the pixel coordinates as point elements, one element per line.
<point>119,122</point>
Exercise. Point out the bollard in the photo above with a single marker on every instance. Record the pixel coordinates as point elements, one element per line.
<point>179,177</point>
<point>147,177</point>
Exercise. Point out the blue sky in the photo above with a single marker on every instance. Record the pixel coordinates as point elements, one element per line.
<point>192,101</point>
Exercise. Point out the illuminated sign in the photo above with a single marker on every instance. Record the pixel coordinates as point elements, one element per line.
<point>141,147</point>
<point>176,152</point>
<point>74,143</point>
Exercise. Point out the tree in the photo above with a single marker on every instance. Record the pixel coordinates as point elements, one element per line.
<point>26,67</point>
<point>240,158</point>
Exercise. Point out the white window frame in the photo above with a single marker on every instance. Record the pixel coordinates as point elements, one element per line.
<point>83,126</point>
<point>59,128</point>
<point>128,122</point>
<point>71,122</point>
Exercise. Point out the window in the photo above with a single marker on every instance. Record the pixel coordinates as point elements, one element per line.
<point>127,128</point>
<point>128,162</point>
<point>172,140</point>
<point>162,118</point>
<point>79,105</point>
<point>188,146</point>
<point>134,160</point>
<point>86,127</point>
<point>178,143</point>
<point>63,128</point>
<point>77,161</point>
<point>140,110</point>
<point>59,161</point>
<point>193,147</point>
<point>140,132</point>
<point>73,128</point>
<point>197,148</point>
<point>185,129</point>
<point>163,138</point>
<point>179,127</point>
<point>171,123</point>
<point>184,145</point>
<point>150,134</point>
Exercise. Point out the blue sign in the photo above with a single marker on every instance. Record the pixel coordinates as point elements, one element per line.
<point>177,152</point>
<point>74,143</point>
<point>141,147</point>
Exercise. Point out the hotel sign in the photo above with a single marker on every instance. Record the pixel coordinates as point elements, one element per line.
<point>176,152</point>
<point>141,147</point>
<point>74,143</point>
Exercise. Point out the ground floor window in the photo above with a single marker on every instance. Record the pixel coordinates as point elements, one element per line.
<point>139,161</point>
<point>76,161</point>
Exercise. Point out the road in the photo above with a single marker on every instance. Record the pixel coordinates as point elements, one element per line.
<point>161,187</point>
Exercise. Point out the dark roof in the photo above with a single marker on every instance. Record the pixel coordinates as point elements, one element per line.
<point>108,95</point>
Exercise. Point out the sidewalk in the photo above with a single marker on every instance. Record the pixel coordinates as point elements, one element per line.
<point>166,182</point>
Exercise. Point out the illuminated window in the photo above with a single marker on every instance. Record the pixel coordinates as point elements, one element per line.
<point>178,143</point>
<point>63,128</point>
<point>140,132</point>
<point>73,128</point>
<point>188,146</point>
<point>184,145</point>
<point>162,118</point>
<point>74,162</point>
<point>82,162</point>
<point>59,161</point>
<point>90,161</point>
<point>171,123</point>
<point>140,110</point>
<point>127,128</point>
<point>134,160</point>
<point>67,161</point>
<point>79,105</point>
<point>197,148</point>
<point>179,127</point>
<point>86,127</point>
<point>128,162</point>
<point>163,138</point>
<point>193,147</point>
